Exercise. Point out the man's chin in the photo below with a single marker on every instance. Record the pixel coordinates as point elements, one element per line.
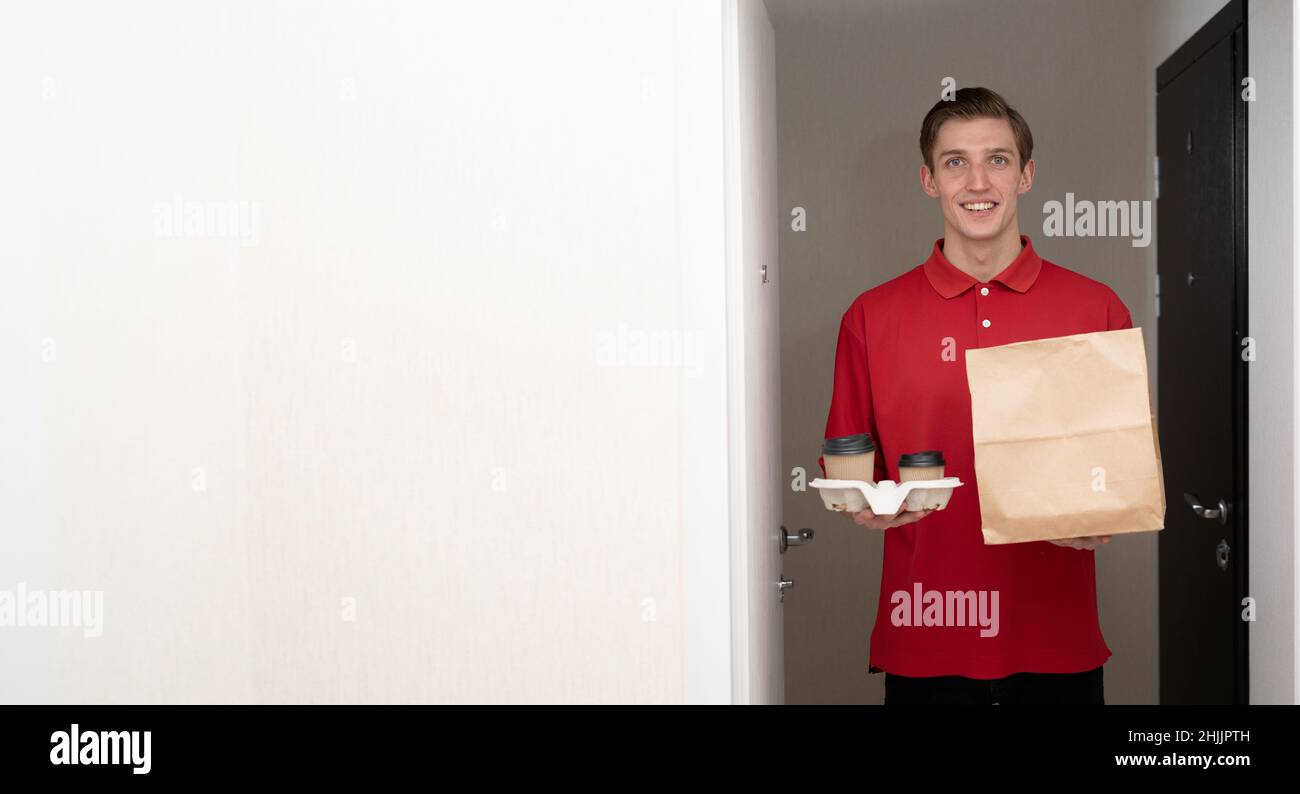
<point>980,233</point>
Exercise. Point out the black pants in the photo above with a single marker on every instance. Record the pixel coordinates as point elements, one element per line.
<point>1019,689</point>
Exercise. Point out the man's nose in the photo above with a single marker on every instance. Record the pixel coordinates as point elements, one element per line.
<point>979,179</point>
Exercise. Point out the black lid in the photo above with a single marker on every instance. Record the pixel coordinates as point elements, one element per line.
<point>930,457</point>
<point>849,445</point>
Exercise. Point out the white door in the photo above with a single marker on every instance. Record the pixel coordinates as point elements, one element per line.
<point>753,353</point>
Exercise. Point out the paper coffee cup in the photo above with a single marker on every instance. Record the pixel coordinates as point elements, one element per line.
<point>926,465</point>
<point>850,457</point>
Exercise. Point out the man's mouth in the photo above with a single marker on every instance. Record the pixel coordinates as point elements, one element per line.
<point>979,208</point>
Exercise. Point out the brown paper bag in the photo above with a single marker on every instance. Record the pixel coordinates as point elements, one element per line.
<point>1065,438</point>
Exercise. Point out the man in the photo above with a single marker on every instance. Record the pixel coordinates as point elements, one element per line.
<point>900,375</point>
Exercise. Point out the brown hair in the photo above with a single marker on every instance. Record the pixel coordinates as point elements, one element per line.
<point>974,103</point>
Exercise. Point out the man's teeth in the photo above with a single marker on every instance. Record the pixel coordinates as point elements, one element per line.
<point>979,205</point>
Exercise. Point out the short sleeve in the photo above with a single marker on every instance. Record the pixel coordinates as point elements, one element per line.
<point>1117,315</point>
<point>851,407</point>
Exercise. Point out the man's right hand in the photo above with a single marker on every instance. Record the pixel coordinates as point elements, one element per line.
<point>870,520</point>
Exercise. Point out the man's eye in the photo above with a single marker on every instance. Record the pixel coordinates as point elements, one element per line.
<point>954,160</point>
<point>1000,160</point>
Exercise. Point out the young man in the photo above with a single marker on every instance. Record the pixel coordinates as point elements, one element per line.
<point>900,375</point>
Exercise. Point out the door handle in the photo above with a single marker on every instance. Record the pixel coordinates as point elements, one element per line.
<point>1221,512</point>
<point>804,537</point>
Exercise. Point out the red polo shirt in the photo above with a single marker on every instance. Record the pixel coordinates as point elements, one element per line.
<point>900,374</point>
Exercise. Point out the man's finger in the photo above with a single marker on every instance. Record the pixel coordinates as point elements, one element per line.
<point>912,516</point>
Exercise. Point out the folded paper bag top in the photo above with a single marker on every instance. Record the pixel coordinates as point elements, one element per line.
<point>1065,438</point>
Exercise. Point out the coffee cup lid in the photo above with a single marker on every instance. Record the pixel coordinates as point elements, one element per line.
<point>849,445</point>
<point>929,457</point>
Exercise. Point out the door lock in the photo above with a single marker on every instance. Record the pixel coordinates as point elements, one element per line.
<point>1221,553</point>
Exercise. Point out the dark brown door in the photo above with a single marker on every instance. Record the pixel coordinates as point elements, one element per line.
<point>1200,214</point>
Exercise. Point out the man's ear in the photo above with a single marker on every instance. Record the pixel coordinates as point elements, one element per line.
<point>1026,177</point>
<point>927,182</point>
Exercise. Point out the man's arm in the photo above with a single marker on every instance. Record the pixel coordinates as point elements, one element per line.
<point>851,408</point>
<point>852,412</point>
<point>1117,314</point>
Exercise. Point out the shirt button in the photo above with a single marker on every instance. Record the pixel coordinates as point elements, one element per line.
<point>987,323</point>
<point>984,290</point>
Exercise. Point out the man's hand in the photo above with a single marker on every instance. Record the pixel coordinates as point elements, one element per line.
<point>870,520</point>
<point>1083,544</point>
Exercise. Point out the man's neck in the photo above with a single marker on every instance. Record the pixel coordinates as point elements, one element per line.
<point>983,259</point>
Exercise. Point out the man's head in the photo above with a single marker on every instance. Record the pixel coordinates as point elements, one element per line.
<point>978,160</point>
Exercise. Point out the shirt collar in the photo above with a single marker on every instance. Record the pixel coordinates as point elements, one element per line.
<point>950,282</point>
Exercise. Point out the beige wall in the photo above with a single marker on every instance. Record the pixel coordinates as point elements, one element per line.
<point>854,80</point>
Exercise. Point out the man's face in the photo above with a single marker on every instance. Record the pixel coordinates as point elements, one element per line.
<point>977,178</point>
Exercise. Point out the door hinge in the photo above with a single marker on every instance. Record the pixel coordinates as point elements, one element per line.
<point>1157,172</point>
<point>1157,296</point>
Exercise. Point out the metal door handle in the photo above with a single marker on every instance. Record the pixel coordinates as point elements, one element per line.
<point>1221,512</point>
<point>804,537</point>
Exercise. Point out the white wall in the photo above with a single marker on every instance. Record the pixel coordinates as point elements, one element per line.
<point>425,383</point>
<point>1274,520</point>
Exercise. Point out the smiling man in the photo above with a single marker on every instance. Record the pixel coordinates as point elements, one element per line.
<point>900,374</point>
